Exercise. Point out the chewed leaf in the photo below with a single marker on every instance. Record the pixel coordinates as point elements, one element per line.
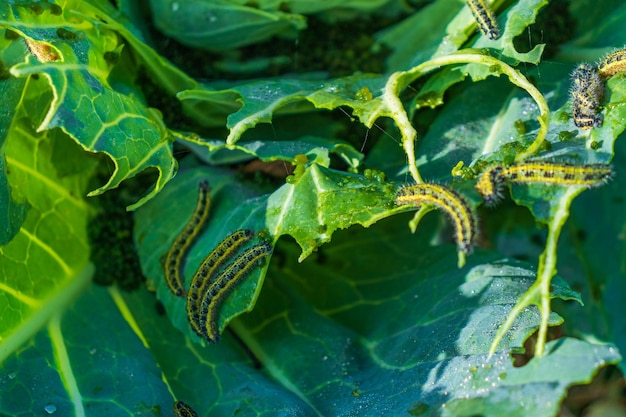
<point>442,28</point>
<point>349,311</point>
<point>98,117</point>
<point>322,201</point>
<point>214,151</point>
<point>316,203</point>
<point>261,100</point>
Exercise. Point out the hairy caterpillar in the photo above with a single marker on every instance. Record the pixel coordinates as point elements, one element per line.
<point>492,180</point>
<point>205,274</point>
<point>484,18</point>
<point>178,250</point>
<point>218,290</point>
<point>458,208</point>
<point>612,63</point>
<point>183,410</point>
<point>41,50</point>
<point>587,93</point>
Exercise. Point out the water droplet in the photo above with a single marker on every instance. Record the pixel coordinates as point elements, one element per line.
<point>12,375</point>
<point>92,351</point>
<point>50,408</point>
<point>175,6</point>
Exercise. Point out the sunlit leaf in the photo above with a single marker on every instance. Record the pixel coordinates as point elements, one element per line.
<point>43,266</point>
<point>101,119</point>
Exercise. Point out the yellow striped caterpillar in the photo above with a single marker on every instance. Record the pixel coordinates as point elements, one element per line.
<point>491,182</point>
<point>587,92</point>
<point>182,242</point>
<point>454,204</point>
<point>183,410</point>
<point>41,50</point>
<point>484,18</point>
<point>612,63</point>
<point>220,288</point>
<point>205,274</point>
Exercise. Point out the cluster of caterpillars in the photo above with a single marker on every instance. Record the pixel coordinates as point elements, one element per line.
<point>587,90</point>
<point>490,185</point>
<point>587,80</point>
<point>221,271</point>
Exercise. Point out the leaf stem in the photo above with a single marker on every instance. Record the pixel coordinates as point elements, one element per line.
<point>547,263</point>
<point>391,99</point>
<point>539,293</point>
<point>64,365</point>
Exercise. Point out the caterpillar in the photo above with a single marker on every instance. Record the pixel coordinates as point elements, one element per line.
<point>587,93</point>
<point>484,18</point>
<point>205,273</point>
<point>178,250</point>
<point>490,185</point>
<point>491,182</point>
<point>454,204</point>
<point>41,50</point>
<point>612,64</point>
<point>183,410</point>
<point>217,292</point>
